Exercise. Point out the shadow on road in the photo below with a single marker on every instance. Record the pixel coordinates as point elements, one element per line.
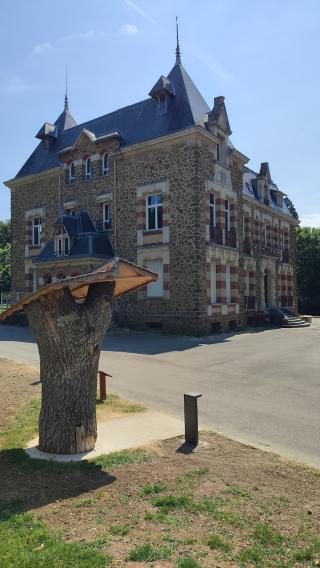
<point>141,343</point>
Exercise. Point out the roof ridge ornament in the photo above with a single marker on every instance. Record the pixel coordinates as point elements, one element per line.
<point>178,53</point>
<point>66,102</point>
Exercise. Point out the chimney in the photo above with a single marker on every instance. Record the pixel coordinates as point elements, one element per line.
<point>218,101</point>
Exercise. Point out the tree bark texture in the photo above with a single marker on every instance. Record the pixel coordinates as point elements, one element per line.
<point>69,337</point>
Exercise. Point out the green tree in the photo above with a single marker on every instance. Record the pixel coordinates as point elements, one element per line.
<point>308,266</point>
<point>5,233</point>
<point>5,253</point>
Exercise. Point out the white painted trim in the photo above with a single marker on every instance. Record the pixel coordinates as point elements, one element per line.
<point>104,197</point>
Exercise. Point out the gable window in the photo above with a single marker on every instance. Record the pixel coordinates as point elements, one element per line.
<point>155,289</point>
<point>212,210</point>
<point>71,173</point>
<point>226,215</point>
<point>88,168</point>
<point>154,212</point>
<point>61,242</point>
<point>106,216</point>
<point>36,231</point>
<point>105,164</point>
<point>218,152</point>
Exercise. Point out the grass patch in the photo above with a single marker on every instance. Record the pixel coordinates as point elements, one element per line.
<point>124,457</point>
<point>84,502</point>
<point>120,530</point>
<point>266,534</point>
<point>115,404</point>
<point>24,428</point>
<point>217,543</point>
<point>171,502</point>
<point>251,555</point>
<point>27,542</point>
<point>149,553</point>
<point>187,562</point>
<point>153,488</point>
<point>236,491</point>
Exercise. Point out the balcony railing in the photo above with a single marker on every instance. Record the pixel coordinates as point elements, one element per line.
<point>250,302</point>
<point>216,235</point>
<point>247,246</point>
<point>231,238</point>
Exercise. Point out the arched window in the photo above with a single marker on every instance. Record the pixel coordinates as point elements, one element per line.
<point>105,164</point>
<point>71,172</point>
<point>88,168</point>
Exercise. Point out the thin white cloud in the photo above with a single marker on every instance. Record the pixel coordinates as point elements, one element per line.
<point>140,11</point>
<point>15,85</point>
<point>215,67</point>
<point>89,35</point>
<point>311,220</point>
<point>42,48</point>
<point>129,29</point>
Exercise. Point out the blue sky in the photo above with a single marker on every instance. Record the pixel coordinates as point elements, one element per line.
<point>263,56</point>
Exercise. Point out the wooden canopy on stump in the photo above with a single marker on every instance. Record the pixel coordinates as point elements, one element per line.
<point>70,318</point>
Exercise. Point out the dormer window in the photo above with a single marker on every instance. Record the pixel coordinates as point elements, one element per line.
<point>61,242</point>
<point>88,168</point>
<point>71,172</point>
<point>105,164</point>
<point>162,102</point>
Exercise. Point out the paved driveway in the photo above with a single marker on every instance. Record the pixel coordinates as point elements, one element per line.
<point>262,387</point>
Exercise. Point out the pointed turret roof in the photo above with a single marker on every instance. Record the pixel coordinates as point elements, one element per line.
<point>65,120</point>
<point>188,98</point>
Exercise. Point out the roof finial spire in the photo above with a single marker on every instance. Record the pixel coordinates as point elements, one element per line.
<point>178,54</point>
<point>66,102</point>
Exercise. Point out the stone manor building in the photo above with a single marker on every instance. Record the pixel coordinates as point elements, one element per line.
<point>161,184</point>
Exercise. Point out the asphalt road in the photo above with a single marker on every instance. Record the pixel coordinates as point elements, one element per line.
<point>262,388</point>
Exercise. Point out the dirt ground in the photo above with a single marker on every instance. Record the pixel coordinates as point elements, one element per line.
<point>225,488</point>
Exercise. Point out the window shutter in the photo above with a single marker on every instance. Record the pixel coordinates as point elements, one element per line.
<point>155,289</point>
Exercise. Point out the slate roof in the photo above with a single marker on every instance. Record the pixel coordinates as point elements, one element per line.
<point>137,123</point>
<point>250,189</point>
<point>86,241</point>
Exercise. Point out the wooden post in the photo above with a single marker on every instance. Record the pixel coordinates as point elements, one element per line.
<point>103,385</point>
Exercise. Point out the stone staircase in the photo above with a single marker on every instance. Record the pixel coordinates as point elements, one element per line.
<point>284,317</point>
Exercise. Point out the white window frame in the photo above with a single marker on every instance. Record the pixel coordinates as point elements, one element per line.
<point>228,284</point>
<point>104,220</point>
<point>213,210</point>
<point>36,227</point>
<point>105,170</point>
<point>155,289</point>
<point>60,241</point>
<point>71,177</point>
<point>88,171</point>
<point>156,207</point>
<point>213,281</point>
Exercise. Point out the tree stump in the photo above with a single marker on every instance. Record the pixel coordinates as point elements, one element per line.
<point>69,337</point>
